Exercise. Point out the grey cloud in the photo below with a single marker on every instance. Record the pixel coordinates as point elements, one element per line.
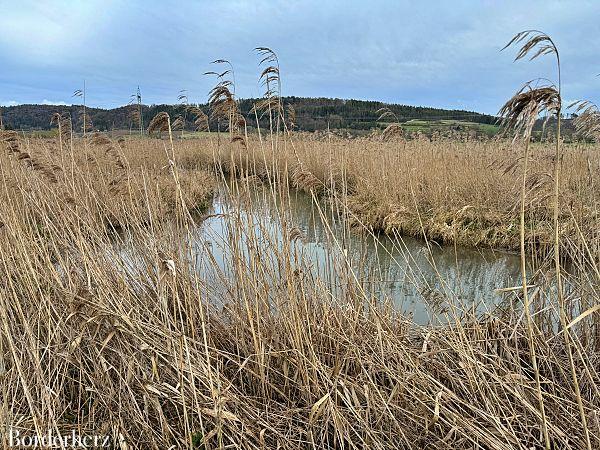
<point>427,53</point>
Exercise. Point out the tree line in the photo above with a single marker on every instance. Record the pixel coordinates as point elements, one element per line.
<point>311,114</point>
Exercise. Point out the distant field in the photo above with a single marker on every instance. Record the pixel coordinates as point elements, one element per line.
<point>429,126</point>
<point>412,126</point>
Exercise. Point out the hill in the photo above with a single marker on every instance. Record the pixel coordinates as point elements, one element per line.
<point>311,114</point>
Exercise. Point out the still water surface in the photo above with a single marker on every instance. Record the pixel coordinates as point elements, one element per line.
<point>420,279</point>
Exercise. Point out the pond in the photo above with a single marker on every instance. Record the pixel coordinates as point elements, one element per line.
<point>421,279</point>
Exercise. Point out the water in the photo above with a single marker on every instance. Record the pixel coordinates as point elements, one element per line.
<point>424,281</point>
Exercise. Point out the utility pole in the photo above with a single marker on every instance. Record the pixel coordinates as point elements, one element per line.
<point>139,102</point>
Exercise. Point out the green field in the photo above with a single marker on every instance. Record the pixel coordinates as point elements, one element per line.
<point>429,126</point>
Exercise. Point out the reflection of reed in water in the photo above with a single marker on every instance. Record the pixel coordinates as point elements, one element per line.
<point>419,280</point>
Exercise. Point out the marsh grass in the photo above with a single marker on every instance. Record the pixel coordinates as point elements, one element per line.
<point>120,334</point>
<point>452,189</point>
<point>156,354</point>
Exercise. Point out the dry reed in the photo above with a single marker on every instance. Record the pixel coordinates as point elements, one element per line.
<point>122,334</point>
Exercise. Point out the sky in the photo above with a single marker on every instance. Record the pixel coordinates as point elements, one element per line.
<point>428,53</point>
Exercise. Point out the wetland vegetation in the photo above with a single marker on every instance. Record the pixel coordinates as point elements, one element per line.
<point>250,289</point>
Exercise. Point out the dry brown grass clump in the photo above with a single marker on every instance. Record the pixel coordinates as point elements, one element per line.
<point>112,182</point>
<point>463,191</point>
<point>120,337</point>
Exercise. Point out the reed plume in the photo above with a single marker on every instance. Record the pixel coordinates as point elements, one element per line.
<point>137,113</point>
<point>84,117</point>
<point>200,118</point>
<point>270,79</point>
<point>291,117</point>
<point>110,149</point>
<point>179,124</point>
<point>394,128</point>
<point>224,106</point>
<point>159,123</point>
<point>587,122</point>
<point>11,140</point>
<point>182,98</point>
<point>522,111</point>
<point>64,126</point>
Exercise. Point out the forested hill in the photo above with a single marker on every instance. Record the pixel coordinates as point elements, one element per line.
<point>311,114</point>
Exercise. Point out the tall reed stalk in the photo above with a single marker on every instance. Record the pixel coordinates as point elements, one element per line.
<point>523,110</point>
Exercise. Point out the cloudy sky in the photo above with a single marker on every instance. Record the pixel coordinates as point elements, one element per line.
<point>431,53</point>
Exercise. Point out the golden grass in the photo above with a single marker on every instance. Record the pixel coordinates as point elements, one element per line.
<point>450,190</point>
<point>111,182</point>
<point>117,334</point>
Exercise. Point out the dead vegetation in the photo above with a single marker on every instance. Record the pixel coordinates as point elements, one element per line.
<point>122,334</point>
<point>157,355</point>
<point>447,189</point>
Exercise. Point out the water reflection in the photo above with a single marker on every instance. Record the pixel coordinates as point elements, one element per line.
<point>421,280</point>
